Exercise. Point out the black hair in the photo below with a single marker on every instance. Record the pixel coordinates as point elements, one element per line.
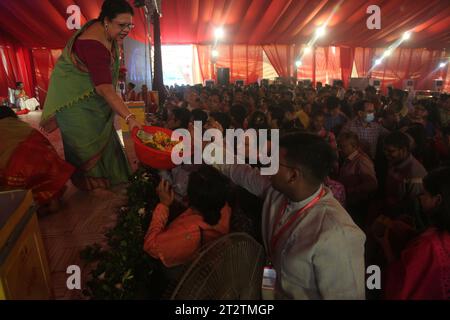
<point>222,118</point>
<point>238,113</point>
<point>289,93</point>
<point>132,85</point>
<point>6,112</point>
<point>112,8</point>
<point>277,113</point>
<point>287,106</point>
<point>398,140</point>
<point>311,152</point>
<point>396,106</point>
<point>183,115</point>
<point>316,107</point>
<point>18,83</point>
<point>360,105</point>
<point>332,103</point>
<point>437,182</point>
<point>349,136</point>
<point>417,132</point>
<point>258,120</point>
<point>216,93</point>
<point>360,94</point>
<point>207,193</point>
<point>199,115</point>
<point>179,96</point>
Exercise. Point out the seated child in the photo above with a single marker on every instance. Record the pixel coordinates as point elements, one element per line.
<point>206,219</point>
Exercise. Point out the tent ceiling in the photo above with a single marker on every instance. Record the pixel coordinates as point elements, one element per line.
<point>42,23</point>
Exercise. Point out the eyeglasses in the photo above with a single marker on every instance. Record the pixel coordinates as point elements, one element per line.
<point>124,26</point>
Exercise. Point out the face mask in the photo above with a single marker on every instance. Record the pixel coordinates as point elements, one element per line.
<point>370,117</point>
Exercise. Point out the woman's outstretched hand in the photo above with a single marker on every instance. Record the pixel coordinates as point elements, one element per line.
<point>133,123</point>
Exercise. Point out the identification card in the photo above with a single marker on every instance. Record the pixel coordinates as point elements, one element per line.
<point>268,283</point>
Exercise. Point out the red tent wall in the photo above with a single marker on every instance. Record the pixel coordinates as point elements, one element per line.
<point>276,25</point>
<point>44,61</point>
<point>16,65</point>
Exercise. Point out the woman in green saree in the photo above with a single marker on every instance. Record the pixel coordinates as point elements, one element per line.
<point>82,100</point>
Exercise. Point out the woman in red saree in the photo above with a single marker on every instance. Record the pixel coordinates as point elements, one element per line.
<point>29,161</point>
<point>422,272</point>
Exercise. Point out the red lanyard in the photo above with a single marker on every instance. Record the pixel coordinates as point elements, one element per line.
<point>276,237</point>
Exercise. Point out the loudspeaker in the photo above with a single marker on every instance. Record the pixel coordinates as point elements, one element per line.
<point>223,76</point>
<point>438,84</point>
<point>408,84</point>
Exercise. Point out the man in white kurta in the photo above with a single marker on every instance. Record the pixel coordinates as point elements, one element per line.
<point>321,255</point>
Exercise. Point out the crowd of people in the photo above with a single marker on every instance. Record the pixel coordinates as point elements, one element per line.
<point>363,178</point>
<point>375,164</point>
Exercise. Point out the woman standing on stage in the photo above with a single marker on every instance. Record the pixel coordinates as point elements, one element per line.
<point>82,100</point>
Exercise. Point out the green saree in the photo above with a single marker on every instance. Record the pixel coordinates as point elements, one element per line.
<point>86,122</point>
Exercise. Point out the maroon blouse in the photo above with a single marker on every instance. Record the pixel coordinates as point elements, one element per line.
<point>96,58</point>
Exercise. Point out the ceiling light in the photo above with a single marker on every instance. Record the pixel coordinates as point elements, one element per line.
<point>406,36</point>
<point>320,32</point>
<point>387,53</point>
<point>219,33</point>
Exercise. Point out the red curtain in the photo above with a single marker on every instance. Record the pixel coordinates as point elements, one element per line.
<point>305,71</point>
<point>7,78</point>
<point>328,65</point>
<point>245,62</point>
<point>44,62</point>
<point>282,58</point>
<point>204,61</point>
<point>16,65</point>
<point>364,59</point>
<point>26,70</point>
<point>405,63</point>
<point>320,65</point>
<point>346,60</point>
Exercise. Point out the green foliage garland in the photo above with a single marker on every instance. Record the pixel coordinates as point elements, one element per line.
<point>124,270</point>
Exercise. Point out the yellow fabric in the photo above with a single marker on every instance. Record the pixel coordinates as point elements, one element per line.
<point>12,131</point>
<point>304,118</point>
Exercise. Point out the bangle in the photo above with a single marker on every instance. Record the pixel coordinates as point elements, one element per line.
<point>131,115</point>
